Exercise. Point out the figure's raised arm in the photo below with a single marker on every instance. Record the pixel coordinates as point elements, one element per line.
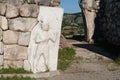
<point>53,36</point>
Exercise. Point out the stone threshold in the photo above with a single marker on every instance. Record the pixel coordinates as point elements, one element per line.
<point>36,75</point>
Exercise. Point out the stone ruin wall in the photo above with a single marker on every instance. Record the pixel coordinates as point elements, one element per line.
<point>17,19</point>
<point>107,22</point>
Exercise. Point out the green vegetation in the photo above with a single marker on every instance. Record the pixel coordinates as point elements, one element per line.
<point>117,60</point>
<point>72,24</point>
<point>72,19</point>
<point>65,58</point>
<point>11,70</point>
<point>70,31</point>
<point>16,78</point>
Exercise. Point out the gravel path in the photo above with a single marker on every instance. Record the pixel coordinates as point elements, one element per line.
<point>91,63</point>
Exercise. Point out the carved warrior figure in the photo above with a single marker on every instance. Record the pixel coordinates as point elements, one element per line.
<point>89,9</point>
<point>39,58</point>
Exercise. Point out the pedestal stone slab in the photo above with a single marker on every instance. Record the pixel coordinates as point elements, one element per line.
<point>15,52</point>
<point>22,24</point>
<point>2,8</point>
<point>29,10</point>
<point>24,38</point>
<point>13,64</point>
<point>11,11</point>
<point>10,37</point>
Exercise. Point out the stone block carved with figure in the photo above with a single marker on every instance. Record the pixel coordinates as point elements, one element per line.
<point>44,41</point>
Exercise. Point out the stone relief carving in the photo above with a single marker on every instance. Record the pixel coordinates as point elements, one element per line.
<point>41,40</point>
<point>44,41</point>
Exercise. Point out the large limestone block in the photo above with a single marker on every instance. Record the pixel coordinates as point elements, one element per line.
<point>1,60</point>
<point>13,64</point>
<point>40,2</point>
<point>16,3</point>
<point>29,10</point>
<point>22,24</point>
<point>11,11</point>
<point>1,48</point>
<point>10,37</point>
<point>24,38</point>
<point>1,33</point>
<point>55,3</point>
<point>3,23</point>
<point>15,52</point>
<point>2,8</point>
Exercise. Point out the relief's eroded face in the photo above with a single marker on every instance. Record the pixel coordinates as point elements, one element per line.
<point>44,24</point>
<point>45,27</point>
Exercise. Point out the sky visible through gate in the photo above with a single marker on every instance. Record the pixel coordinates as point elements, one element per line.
<point>70,6</point>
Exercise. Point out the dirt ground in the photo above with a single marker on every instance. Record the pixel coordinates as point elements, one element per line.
<point>91,63</point>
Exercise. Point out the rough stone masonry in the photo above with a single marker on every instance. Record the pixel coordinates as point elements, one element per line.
<point>104,16</point>
<point>17,20</point>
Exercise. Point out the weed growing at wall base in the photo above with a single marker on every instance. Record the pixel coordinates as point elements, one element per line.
<point>65,57</point>
<point>11,70</point>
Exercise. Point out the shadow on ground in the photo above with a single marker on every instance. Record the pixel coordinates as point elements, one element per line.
<point>97,50</point>
<point>78,37</point>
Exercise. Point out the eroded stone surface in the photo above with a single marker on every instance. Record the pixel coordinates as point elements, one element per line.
<point>13,64</point>
<point>3,23</point>
<point>44,41</point>
<point>29,10</point>
<point>1,48</point>
<point>22,24</point>
<point>26,65</point>
<point>15,52</point>
<point>55,3</point>
<point>11,11</point>
<point>1,33</point>
<point>24,38</point>
<point>16,3</point>
<point>2,8</point>
<point>41,2</point>
<point>1,60</point>
<point>10,37</point>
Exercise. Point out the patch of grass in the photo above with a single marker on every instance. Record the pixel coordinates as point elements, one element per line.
<point>65,57</point>
<point>11,70</point>
<point>16,78</point>
<point>117,60</point>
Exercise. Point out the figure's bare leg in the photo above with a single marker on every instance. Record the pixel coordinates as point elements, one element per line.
<point>36,59</point>
<point>46,58</point>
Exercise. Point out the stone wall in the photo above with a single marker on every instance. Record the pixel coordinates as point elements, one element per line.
<point>107,22</point>
<point>17,19</point>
